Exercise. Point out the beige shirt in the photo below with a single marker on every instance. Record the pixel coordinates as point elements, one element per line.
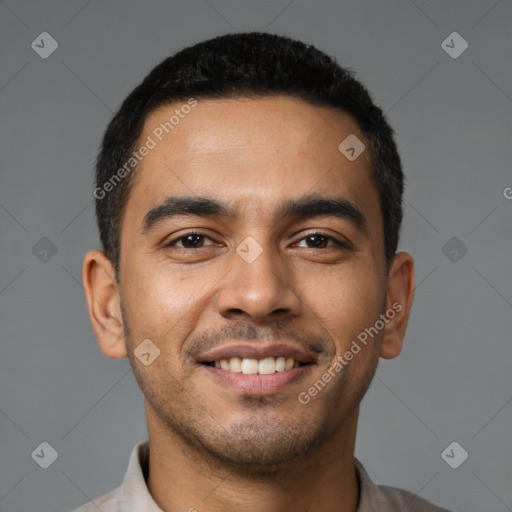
<point>133,495</point>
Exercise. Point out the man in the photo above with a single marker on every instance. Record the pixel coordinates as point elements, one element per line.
<point>249,205</point>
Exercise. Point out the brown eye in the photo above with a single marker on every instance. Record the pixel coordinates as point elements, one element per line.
<point>322,241</point>
<point>317,241</point>
<point>190,241</point>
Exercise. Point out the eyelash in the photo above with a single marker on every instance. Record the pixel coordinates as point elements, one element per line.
<point>336,242</point>
<point>339,243</point>
<point>182,237</point>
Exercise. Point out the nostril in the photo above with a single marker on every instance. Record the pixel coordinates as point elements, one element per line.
<point>236,311</point>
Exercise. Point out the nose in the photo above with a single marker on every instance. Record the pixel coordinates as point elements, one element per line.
<point>259,291</point>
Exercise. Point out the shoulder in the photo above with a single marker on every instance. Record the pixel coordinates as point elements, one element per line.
<point>107,503</point>
<point>383,498</point>
<point>133,493</point>
<point>395,498</point>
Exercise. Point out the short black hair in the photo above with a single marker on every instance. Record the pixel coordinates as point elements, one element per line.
<point>252,65</point>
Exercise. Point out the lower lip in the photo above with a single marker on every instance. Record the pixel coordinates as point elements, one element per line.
<point>247,384</point>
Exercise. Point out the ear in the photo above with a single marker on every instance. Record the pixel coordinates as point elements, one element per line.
<point>104,303</point>
<point>399,301</point>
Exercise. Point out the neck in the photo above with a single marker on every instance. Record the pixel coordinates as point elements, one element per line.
<point>181,478</point>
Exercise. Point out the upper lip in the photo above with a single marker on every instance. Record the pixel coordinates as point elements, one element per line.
<point>260,351</point>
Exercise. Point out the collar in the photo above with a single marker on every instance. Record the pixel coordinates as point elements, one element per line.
<point>134,494</point>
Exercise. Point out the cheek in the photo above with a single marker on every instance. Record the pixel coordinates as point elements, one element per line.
<point>165,302</point>
<point>345,302</point>
<point>152,300</point>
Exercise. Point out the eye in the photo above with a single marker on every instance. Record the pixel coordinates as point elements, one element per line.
<point>190,241</point>
<point>320,241</point>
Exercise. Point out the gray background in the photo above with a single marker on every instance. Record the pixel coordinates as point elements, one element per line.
<point>453,120</point>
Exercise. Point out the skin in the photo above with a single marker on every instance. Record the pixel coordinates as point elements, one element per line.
<point>210,447</point>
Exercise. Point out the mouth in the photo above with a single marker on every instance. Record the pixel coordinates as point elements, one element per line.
<point>257,370</point>
<point>250,366</point>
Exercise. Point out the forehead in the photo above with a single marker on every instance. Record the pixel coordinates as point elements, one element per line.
<point>251,153</point>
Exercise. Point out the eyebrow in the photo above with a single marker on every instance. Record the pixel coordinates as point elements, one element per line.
<point>312,206</point>
<point>185,205</point>
<point>309,206</point>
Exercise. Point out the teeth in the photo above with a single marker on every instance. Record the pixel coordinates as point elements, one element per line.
<point>250,366</point>
<point>265,366</point>
<point>280,364</point>
<point>235,364</point>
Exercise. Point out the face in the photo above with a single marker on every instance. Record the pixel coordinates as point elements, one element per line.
<point>249,237</point>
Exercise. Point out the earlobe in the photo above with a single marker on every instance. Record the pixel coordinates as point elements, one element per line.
<point>399,301</point>
<point>103,302</point>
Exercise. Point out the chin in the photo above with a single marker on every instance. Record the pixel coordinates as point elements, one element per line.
<point>258,453</point>
<point>259,444</point>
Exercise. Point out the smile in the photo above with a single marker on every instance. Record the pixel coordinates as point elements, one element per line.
<point>249,366</point>
<point>257,368</point>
